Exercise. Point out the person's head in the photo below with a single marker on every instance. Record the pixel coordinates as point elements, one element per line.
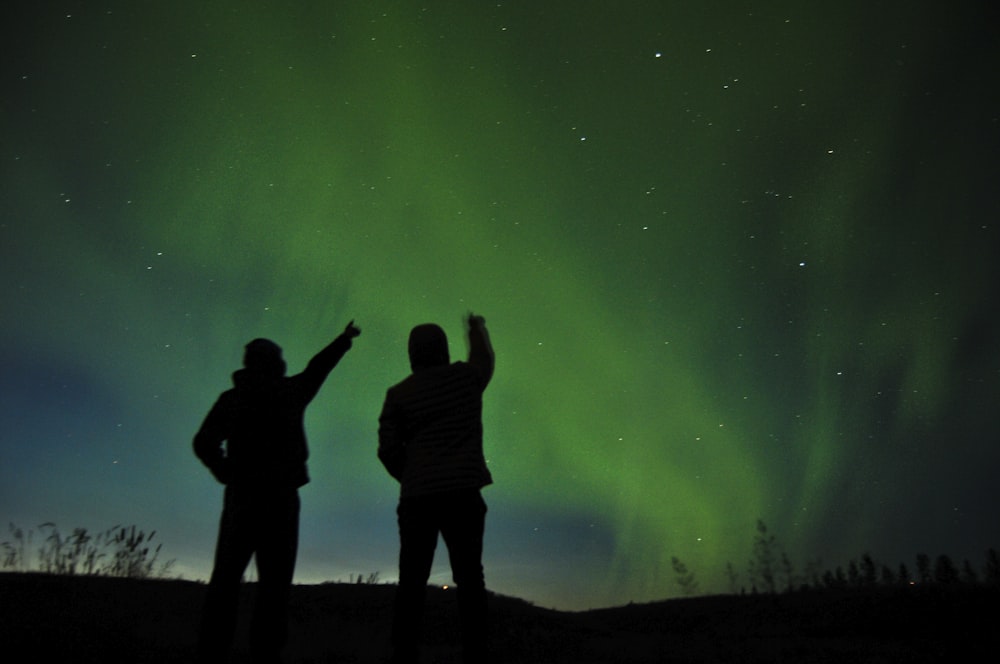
<point>264,356</point>
<point>428,347</point>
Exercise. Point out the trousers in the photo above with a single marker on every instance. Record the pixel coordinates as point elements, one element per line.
<point>459,517</point>
<point>265,524</point>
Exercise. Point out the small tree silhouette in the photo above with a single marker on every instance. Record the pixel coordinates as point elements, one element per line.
<point>835,578</point>
<point>869,571</point>
<point>991,571</point>
<point>788,571</point>
<point>762,565</point>
<point>945,571</point>
<point>812,575</point>
<point>685,579</point>
<point>924,568</point>
<point>969,575</point>
<point>733,578</point>
<point>854,573</point>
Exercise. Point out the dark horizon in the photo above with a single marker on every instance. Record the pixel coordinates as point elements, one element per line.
<point>349,622</point>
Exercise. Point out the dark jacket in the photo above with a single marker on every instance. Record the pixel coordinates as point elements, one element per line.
<point>260,421</point>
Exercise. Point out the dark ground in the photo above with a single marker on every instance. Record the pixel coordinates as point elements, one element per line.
<point>99,619</point>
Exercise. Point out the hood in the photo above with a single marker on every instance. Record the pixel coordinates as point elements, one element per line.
<point>428,347</point>
<point>263,356</point>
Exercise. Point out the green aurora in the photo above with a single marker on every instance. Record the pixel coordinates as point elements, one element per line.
<point>738,263</point>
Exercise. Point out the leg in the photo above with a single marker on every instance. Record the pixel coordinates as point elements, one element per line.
<point>278,540</point>
<point>232,555</point>
<point>418,535</point>
<point>462,529</point>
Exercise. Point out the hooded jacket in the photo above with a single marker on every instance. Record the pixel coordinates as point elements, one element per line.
<point>430,429</point>
<point>254,434</point>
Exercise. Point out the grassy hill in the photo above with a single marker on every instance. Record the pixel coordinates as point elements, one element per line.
<point>109,620</point>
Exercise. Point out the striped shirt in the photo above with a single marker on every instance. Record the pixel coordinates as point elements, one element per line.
<point>431,431</point>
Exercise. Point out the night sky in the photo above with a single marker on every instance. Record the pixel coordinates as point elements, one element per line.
<point>739,261</point>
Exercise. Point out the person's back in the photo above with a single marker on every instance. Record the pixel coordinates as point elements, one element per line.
<point>266,443</point>
<point>431,441</point>
<point>438,411</point>
<point>261,418</point>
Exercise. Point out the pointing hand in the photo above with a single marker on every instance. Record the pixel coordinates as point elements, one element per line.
<point>351,330</point>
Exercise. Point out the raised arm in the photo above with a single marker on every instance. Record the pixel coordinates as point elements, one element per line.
<point>480,348</point>
<point>323,362</point>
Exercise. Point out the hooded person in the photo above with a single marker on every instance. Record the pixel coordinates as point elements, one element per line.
<point>431,441</point>
<point>253,441</point>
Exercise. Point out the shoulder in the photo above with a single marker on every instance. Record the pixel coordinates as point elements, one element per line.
<point>403,386</point>
<point>423,380</point>
<point>472,371</point>
<point>228,397</point>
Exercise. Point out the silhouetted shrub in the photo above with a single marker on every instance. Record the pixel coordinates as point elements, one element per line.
<point>120,551</point>
<point>991,573</point>
<point>762,565</point>
<point>685,579</point>
<point>945,572</point>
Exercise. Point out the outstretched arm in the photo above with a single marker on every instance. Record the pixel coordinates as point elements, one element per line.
<point>480,348</point>
<point>323,362</point>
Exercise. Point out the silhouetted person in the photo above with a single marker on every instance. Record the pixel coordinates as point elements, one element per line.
<point>262,464</point>
<point>431,441</point>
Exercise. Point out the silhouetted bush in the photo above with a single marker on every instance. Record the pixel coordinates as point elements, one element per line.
<point>991,573</point>
<point>120,551</point>
<point>685,579</point>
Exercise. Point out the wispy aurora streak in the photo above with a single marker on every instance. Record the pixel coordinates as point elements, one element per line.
<point>733,270</point>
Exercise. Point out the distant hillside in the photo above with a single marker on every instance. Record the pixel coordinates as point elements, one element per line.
<point>109,620</point>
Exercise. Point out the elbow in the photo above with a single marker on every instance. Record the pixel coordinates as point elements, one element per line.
<point>205,448</point>
<point>198,445</point>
